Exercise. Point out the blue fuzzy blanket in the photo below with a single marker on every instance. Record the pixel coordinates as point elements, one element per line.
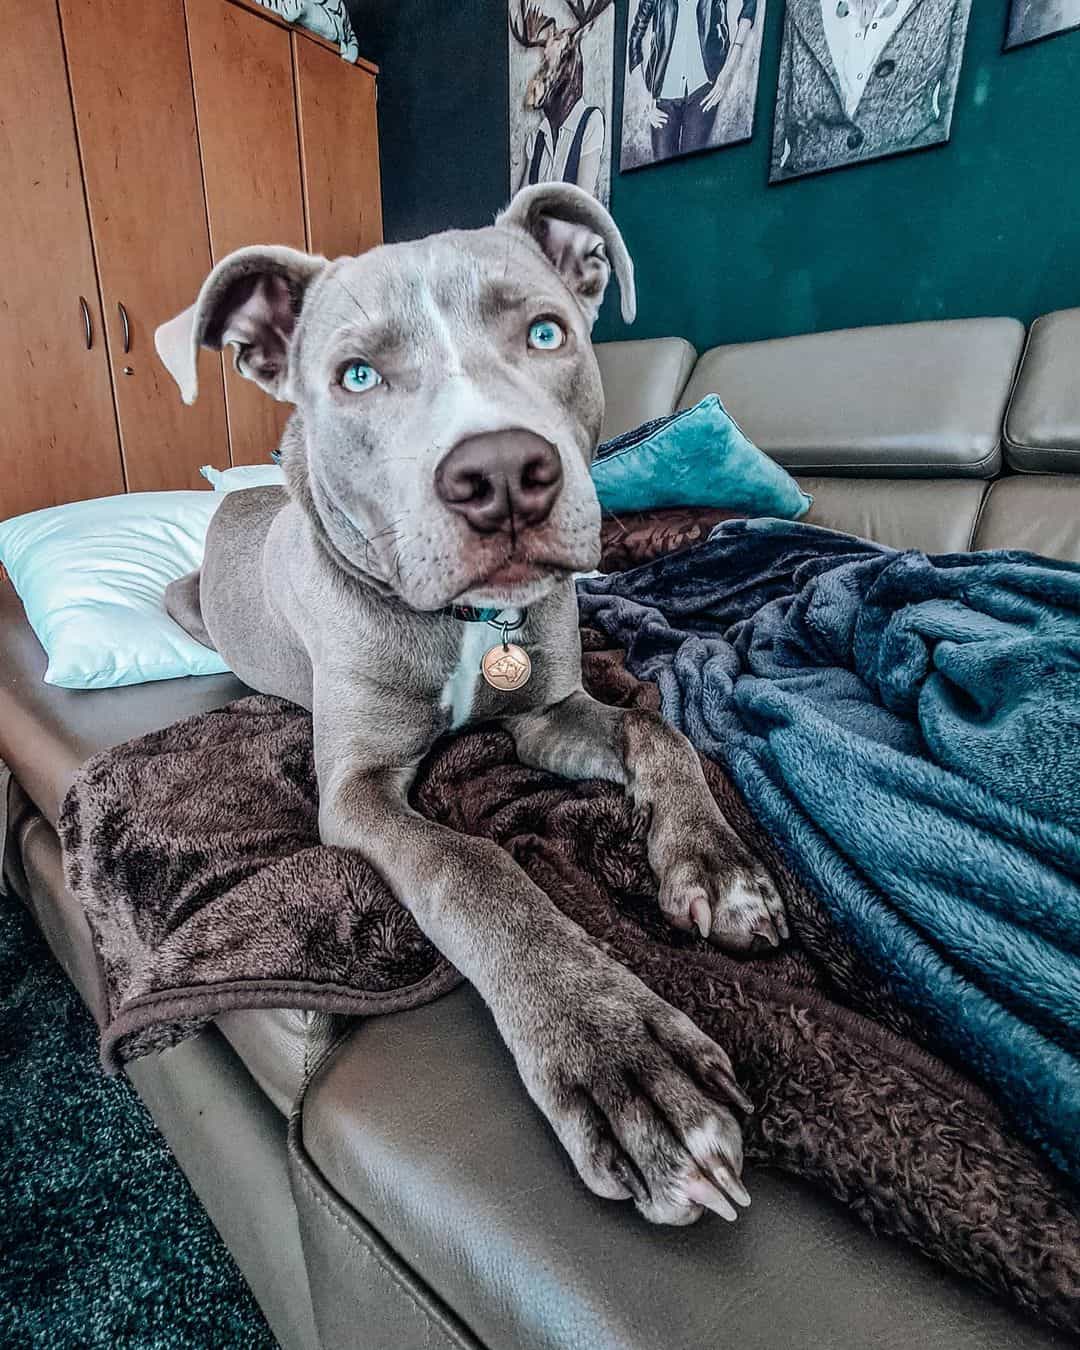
<point>908,729</point>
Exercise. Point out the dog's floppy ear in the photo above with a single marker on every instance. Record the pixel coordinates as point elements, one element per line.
<point>251,300</point>
<point>580,239</point>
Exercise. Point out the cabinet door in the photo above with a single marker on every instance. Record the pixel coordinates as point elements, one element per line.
<point>58,437</point>
<point>135,116</point>
<point>339,145</point>
<point>242,68</point>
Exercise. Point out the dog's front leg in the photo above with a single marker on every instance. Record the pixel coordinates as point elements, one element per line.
<point>708,878</point>
<point>637,1094</point>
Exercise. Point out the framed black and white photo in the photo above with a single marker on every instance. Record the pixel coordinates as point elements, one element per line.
<point>691,77</point>
<point>861,79</point>
<point>562,55</point>
<point>1030,20</point>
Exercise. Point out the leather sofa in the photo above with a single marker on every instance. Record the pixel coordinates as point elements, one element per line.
<point>387,1184</point>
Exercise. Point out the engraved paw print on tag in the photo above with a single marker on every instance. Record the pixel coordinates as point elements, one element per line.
<point>506,667</point>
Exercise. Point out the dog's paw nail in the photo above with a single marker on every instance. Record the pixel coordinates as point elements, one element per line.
<point>701,914</point>
<point>731,1184</point>
<point>627,1175</point>
<point>739,1097</point>
<point>725,1083</point>
<point>703,1192</point>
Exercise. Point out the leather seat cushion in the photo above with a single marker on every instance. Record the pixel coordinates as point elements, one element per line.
<point>915,400</point>
<point>419,1123</point>
<point>46,733</point>
<point>642,380</point>
<point>1042,430</point>
<point>937,516</point>
<point>1041,514</point>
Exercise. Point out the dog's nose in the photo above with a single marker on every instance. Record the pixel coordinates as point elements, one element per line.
<point>500,479</point>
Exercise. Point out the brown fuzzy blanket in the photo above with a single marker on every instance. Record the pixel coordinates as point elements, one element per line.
<point>195,853</point>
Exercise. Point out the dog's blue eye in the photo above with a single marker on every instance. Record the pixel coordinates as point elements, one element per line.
<point>360,377</point>
<point>546,335</point>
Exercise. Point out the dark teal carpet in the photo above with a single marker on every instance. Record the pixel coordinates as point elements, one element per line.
<point>102,1242</point>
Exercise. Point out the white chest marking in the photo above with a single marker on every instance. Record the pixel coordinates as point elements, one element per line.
<point>459,691</point>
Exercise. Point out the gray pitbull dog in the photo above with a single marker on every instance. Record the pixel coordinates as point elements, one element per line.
<point>448,404</point>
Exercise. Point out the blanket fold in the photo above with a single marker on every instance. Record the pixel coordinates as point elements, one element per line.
<point>195,853</point>
<point>908,729</point>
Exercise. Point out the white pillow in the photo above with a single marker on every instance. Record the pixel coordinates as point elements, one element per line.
<point>91,576</point>
<point>243,476</point>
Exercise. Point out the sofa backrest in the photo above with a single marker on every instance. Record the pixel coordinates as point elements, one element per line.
<point>642,380</point>
<point>1042,428</point>
<point>910,400</point>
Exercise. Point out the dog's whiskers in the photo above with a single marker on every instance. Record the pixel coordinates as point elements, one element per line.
<point>610,515</point>
<point>393,536</point>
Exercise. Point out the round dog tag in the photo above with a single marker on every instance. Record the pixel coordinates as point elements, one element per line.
<point>506,667</point>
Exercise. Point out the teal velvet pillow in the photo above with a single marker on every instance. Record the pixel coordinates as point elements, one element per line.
<point>699,457</point>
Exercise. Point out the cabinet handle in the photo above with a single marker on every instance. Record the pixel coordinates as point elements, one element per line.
<point>88,323</point>
<point>127,328</point>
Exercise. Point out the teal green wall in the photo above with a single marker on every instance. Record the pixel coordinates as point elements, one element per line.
<point>989,224</point>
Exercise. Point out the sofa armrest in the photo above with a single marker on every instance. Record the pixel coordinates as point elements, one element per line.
<point>419,1126</point>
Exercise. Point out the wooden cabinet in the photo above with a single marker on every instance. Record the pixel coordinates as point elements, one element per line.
<point>57,425</point>
<point>140,142</point>
<point>339,152</point>
<point>131,87</point>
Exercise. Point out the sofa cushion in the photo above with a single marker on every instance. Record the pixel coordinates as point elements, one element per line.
<point>911,400</point>
<point>937,516</point>
<point>642,380</point>
<point>419,1123</point>
<point>696,457</point>
<point>1042,430</point>
<point>1041,514</point>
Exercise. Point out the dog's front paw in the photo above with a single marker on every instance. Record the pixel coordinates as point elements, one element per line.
<point>639,1097</point>
<point>713,884</point>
